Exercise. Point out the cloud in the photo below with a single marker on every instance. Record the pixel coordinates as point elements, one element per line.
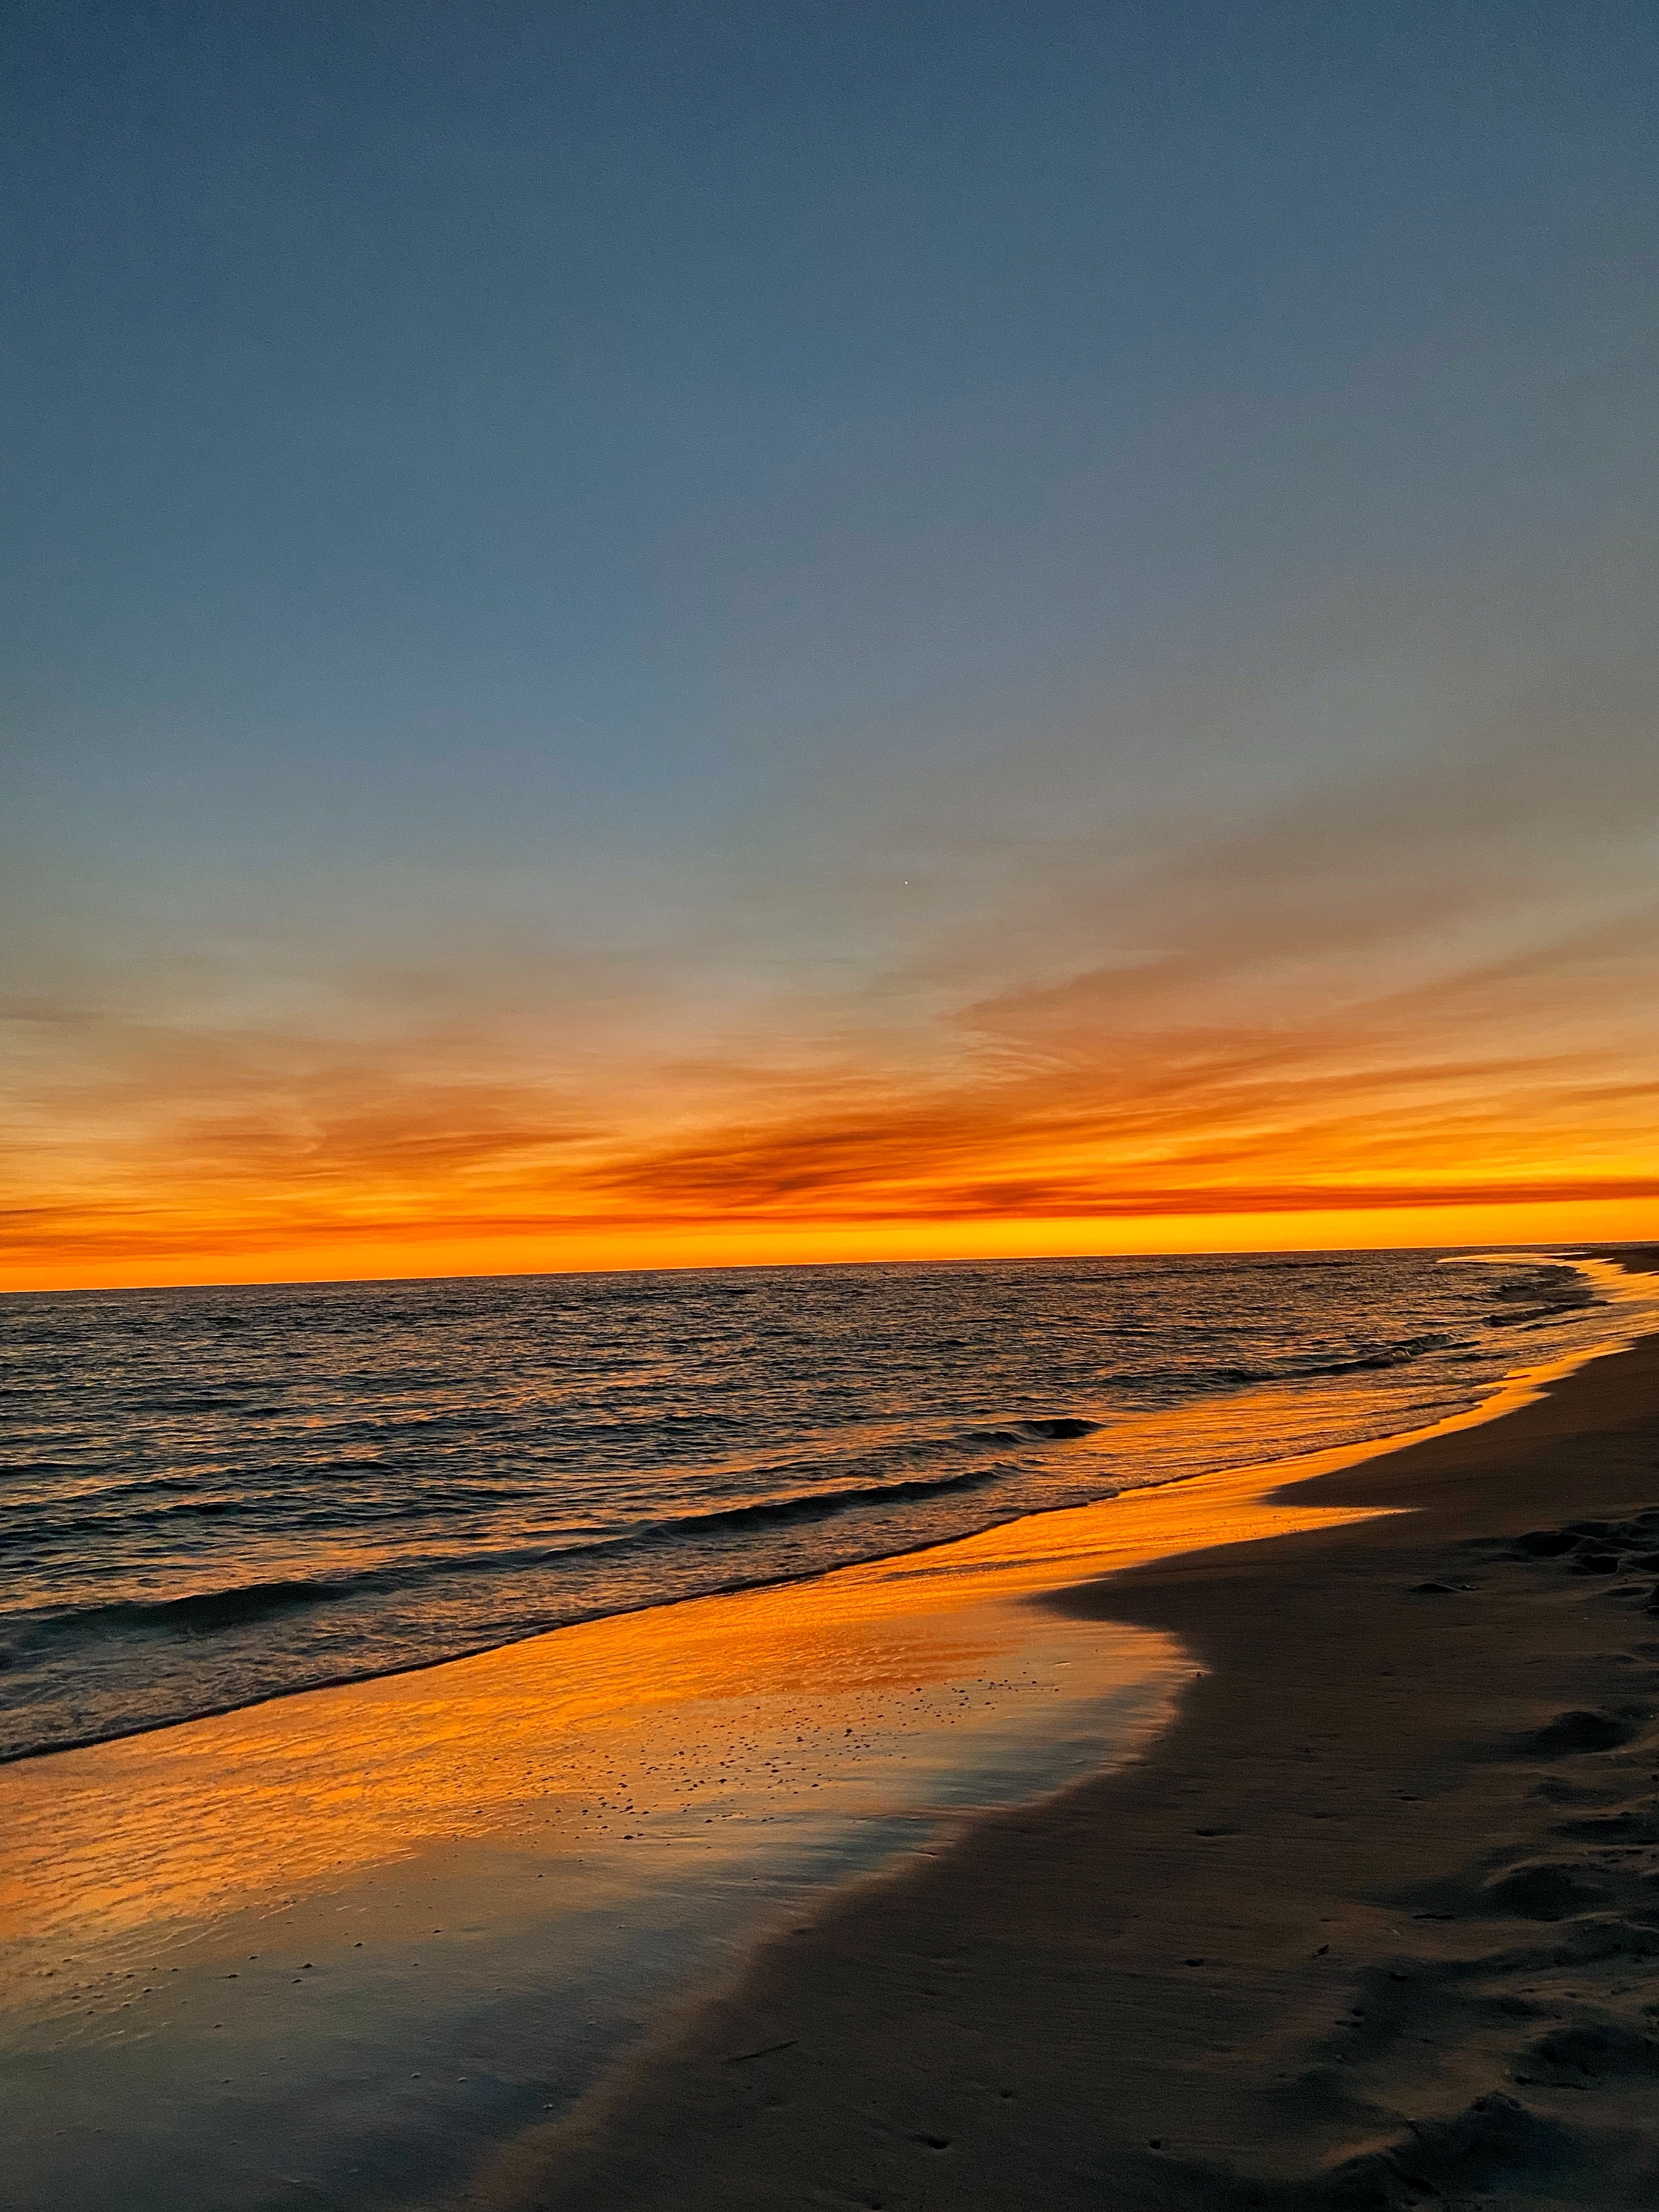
<point>1432,987</point>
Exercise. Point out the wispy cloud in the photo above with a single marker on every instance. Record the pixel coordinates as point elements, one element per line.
<point>1433,990</point>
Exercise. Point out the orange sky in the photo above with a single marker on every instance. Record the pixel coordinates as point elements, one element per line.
<point>1417,1009</point>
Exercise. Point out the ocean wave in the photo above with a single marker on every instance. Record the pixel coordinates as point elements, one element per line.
<point>1373,1361</point>
<point>200,1612</point>
<point>1534,1314</point>
<point>1053,1429</point>
<point>799,1506</point>
<point>1365,1363</point>
<point>816,1504</point>
<point>205,1612</point>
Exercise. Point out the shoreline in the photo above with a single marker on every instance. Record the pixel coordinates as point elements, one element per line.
<point>1615,1260</point>
<point>1354,1929</point>
<point>643,1773</point>
<point>361,1937</point>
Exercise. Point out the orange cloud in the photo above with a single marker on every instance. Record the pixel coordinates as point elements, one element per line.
<point>1413,1013</point>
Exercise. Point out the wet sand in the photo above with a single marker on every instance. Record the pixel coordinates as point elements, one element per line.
<point>1374,1922</point>
<point>336,1948</point>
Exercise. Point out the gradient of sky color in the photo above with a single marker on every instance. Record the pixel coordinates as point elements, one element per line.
<point>641,633</point>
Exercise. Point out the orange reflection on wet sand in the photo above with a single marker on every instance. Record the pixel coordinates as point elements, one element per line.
<point>207,1817</point>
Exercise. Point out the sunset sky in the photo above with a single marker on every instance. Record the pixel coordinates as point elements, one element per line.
<point>654,634</point>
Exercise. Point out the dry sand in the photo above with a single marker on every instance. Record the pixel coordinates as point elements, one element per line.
<point>1374,1922</point>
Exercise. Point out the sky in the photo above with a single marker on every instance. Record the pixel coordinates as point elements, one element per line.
<point>640,635</point>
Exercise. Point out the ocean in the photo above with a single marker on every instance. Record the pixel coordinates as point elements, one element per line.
<point>217,1496</point>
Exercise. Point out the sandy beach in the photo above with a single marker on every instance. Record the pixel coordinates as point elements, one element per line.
<point>1283,1835</point>
<point>1375,1922</point>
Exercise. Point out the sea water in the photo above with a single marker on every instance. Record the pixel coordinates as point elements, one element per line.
<point>213,1497</point>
